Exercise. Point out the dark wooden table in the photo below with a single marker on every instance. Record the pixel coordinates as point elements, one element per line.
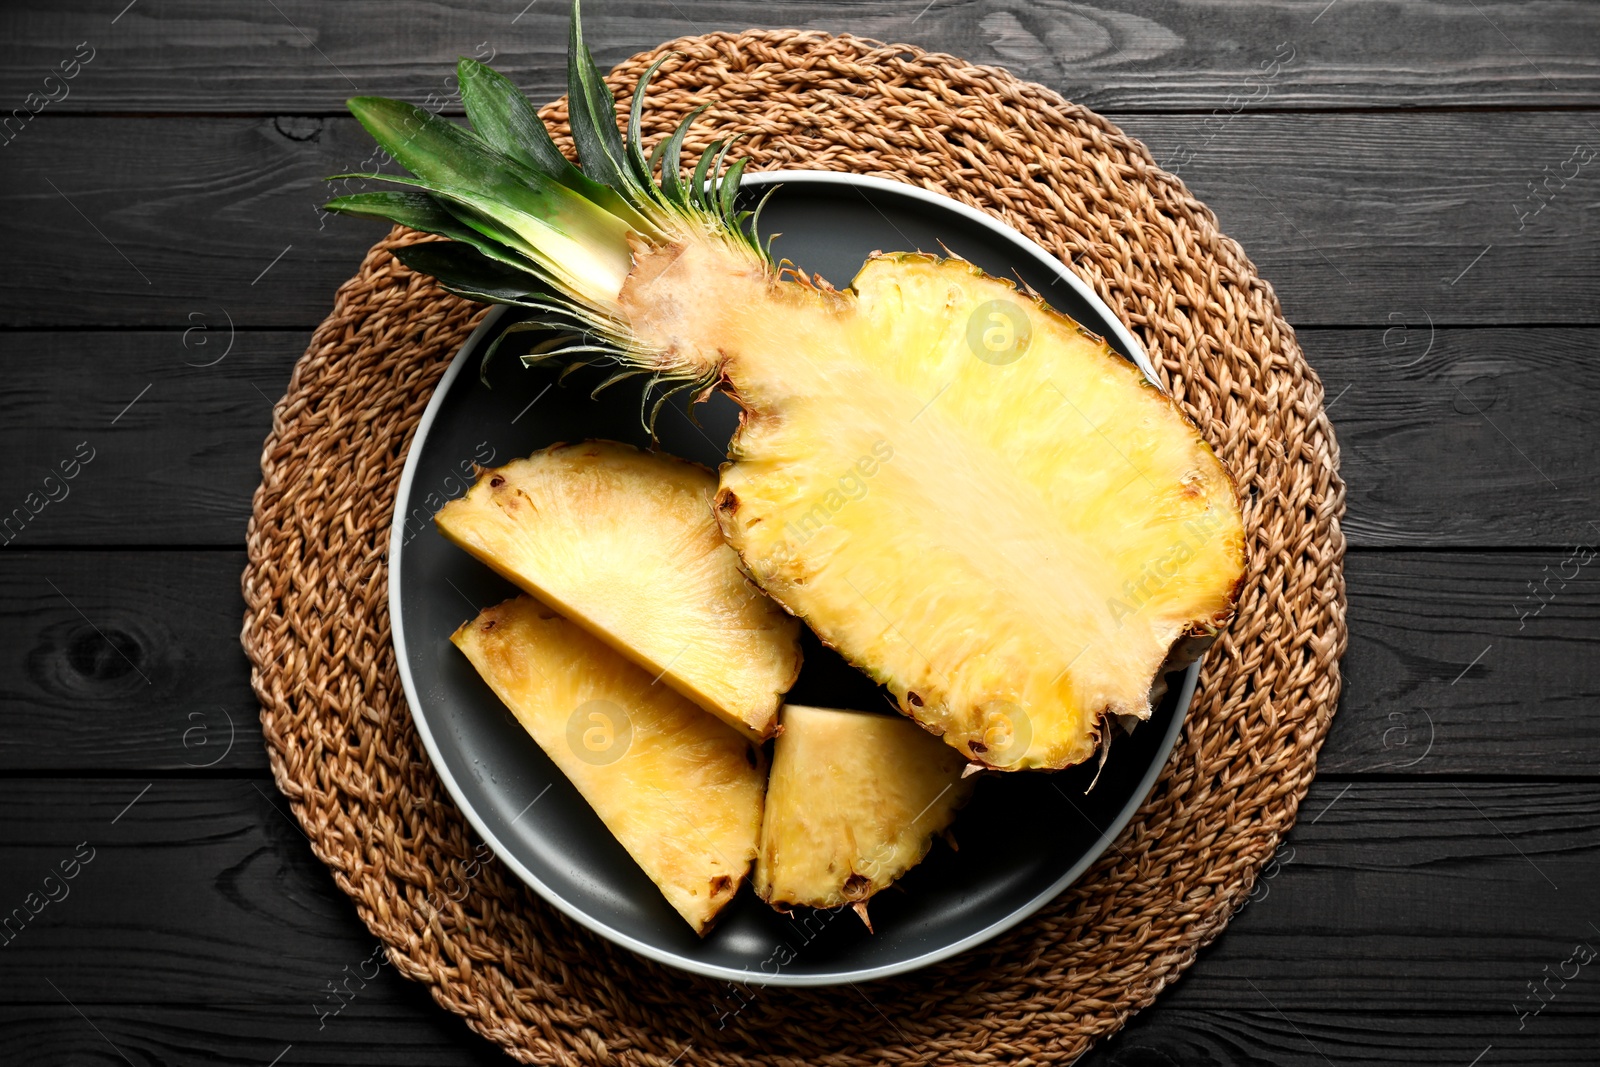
<point>1420,182</point>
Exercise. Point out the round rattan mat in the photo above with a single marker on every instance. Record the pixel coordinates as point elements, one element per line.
<point>340,736</point>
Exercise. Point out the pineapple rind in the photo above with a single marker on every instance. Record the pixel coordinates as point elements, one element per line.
<point>853,802</point>
<point>683,796</point>
<point>624,543</point>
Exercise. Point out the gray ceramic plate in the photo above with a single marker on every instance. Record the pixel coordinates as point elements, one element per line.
<point>1023,838</point>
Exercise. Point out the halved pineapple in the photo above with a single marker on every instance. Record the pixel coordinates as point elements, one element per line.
<point>1012,539</point>
<point>853,803</point>
<point>974,500</point>
<point>681,790</point>
<point>624,543</point>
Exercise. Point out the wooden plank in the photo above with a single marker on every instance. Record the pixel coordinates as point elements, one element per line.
<point>1112,55</point>
<point>1455,667</point>
<point>126,661</point>
<point>166,866</point>
<point>222,216</point>
<point>385,1027</point>
<point>173,444</point>
<point>178,222</point>
<point>1438,896</point>
<point>1463,437</point>
<point>1471,438</point>
<point>1441,670</point>
<point>389,1023</point>
<point>1396,893</point>
<point>1350,227</point>
<point>1269,1038</point>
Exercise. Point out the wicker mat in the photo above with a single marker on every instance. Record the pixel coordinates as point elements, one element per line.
<point>342,743</point>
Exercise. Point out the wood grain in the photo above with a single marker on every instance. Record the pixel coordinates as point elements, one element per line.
<point>176,443</point>
<point>1355,219</point>
<point>1463,438</point>
<point>1419,895</point>
<point>1441,668</point>
<point>123,661</point>
<point>1121,55</point>
<point>391,1021</point>
<point>1293,1038</point>
<point>1451,655</point>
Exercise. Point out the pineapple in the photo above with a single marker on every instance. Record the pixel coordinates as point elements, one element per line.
<point>973,499</point>
<point>680,790</point>
<point>624,543</point>
<point>853,803</point>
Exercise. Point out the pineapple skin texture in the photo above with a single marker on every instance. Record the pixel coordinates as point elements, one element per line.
<point>852,804</point>
<point>625,543</point>
<point>974,500</point>
<point>684,793</point>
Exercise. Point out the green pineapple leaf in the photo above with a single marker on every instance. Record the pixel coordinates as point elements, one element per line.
<point>569,236</point>
<point>699,191</point>
<point>642,169</point>
<point>420,211</point>
<point>508,122</point>
<point>593,114</point>
<point>672,160</point>
<point>441,153</point>
<point>467,272</point>
<point>730,187</point>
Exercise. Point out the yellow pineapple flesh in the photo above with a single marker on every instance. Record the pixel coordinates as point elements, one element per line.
<point>970,497</point>
<point>681,790</point>
<point>853,803</point>
<point>624,543</point>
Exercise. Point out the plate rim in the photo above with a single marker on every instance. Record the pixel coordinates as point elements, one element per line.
<point>1134,351</point>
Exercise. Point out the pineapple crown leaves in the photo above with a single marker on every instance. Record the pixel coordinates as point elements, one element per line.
<point>525,225</point>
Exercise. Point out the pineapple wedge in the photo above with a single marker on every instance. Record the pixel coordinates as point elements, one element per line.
<point>853,803</point>
<point>624,543</point>
<point>971,498</point>
<point>679,789</point>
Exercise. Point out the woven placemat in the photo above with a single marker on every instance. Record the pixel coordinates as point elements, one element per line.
<point>341,740</point>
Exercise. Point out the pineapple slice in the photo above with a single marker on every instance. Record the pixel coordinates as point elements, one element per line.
<point>680,790</point>
<point>971,498</point>
<point>853,803</point>
<point>624,543</point>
